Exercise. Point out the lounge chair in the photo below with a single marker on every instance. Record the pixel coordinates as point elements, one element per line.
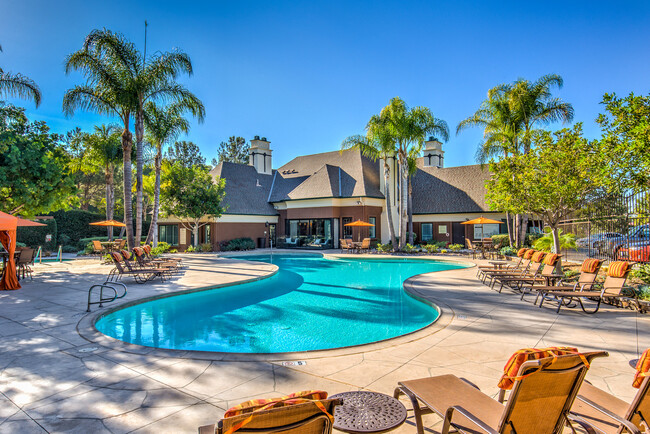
<point>303,416</point>
<point>588,274</point>
<point>149,256</point>
<point>501,265</point>
<point>525,264</point>
<point>539,402</point>
<point>532,271</point>
<point>144,262</point>
<point>123,267</point>
<point>617,273</point>
<point>544,273</point>
<point>607,414</point>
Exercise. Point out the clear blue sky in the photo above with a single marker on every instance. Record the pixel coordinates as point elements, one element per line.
<point>308,74</point>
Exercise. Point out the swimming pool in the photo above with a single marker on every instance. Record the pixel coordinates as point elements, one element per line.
<point>312,303</point>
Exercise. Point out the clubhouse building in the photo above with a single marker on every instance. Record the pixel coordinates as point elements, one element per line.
<point>307,202</point>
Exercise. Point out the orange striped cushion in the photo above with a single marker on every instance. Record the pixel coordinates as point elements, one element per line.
<point>521,252</point>
<point>551,258</point>
<point>511,369</point>
<point>590,265</point>
<point>642,367</point>
<point>538,256</point>
<point>257,404</point>
<point>117,257</point>
<point>617,269</point>
<point>139,251</point>
<point>147,248</point>
<point>529,254</point>
<point>126,254</point>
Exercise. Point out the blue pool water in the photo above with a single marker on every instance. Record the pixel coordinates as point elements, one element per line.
<point>312,303</point>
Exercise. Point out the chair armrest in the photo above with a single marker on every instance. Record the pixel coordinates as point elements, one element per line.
<point>626,423</point>
<point>450,413</point>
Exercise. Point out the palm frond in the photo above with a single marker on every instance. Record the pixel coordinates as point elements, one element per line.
<point>18,85</point>
<point>89,98</point>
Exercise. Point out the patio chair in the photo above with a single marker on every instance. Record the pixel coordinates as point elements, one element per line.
<point>24,262</point>
<point>607,414</point>
<point>471,248</point>
<point>149,256</point>
<point>588,274</point>
<point>539,401</point>
<point>522,269</point>
<point>286,415</point>
<point>612,287</point>
<point>121,244</point>
<point>346,245</point>
<point>365,245</point>
<point>544,273</point>
<point>98,249</point>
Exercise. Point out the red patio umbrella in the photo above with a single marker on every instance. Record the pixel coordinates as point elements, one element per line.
<point>8,224</point>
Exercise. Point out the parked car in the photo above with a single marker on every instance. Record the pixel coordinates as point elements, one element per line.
<point>594,239</point>
<point>638,252</point>
<point>611,246</point>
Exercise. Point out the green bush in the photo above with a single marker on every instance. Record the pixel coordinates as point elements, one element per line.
<point>642,273</point>
<point>431,248</point>
<point>455,247</point>
<point>508,251</point>
<point>531,238</point>
<point>408,248</point>
<point>162,247</point>
<point>20,244</point>
<point>191,249</point>
<point>205,247</point>
<point>443,251</point>
<point>499,241</point>
<point>75,225</point>
<point>545,242</point>
<point>643,292</point>
<point>384,248</point>
<point>238,244</point>
<point>34,236</point>
<point>69,249</point>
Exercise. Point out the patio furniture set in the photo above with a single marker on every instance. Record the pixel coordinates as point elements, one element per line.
<point>350,246</point>
<point>142,265</point>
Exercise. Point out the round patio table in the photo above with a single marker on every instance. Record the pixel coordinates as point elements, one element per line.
<point>368,412</point>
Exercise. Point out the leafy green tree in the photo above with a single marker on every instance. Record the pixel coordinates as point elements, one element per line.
<point>559,176</point>
<point>190,193</point>
<point>17,85</point>
<point>87,176</point>
<point>188,154</point>
<point>626,139</point>
<point>408,128</point>
<point>235,150</point>
<point>34,167</point>
<point>163,126</point>
<point>547,242</point>
<point>376,144</point>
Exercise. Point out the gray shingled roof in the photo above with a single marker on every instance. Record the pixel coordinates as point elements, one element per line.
<point>247,191</point>
<point>330,174</point>
<point>449,190</point>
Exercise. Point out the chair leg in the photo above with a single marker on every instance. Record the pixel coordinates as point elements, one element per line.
<point>417,411</point>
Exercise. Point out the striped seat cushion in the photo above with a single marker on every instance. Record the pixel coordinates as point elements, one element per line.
<point>590,265</point>
<point>511,369</point>
<point>139,251</point>
<point>258,404</point>
<point>520,252</point>
<point>117,257</point>
<point>551,259</point>
<point>126,254</point>
<point>642,367</point>
<point>147,249</point>
<point>618,269</point>
<point>529,253</point>
<point>538,256</point>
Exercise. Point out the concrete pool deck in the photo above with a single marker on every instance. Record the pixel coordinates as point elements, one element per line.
<point>55,380</point>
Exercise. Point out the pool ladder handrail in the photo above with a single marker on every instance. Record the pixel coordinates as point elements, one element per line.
<point>103,300</point>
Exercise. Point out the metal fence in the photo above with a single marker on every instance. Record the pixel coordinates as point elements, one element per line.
<point>612,228</point>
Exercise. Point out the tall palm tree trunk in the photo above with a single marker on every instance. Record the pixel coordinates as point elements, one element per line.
<point>410,211</point>
<point>139,165</point>
<point>153,229</point>
<point>403,169</point>
<point>109,199</point>
<point>508,225</point>
<point>127,146</point>
<point>389,210</point>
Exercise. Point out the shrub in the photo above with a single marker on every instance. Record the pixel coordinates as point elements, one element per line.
<point>643,292</point>
<point>34,236</point>
<point>642,273</point>
<point>571,273</point>
<point>455,247</point>
<point>531,238</point>
<point>431,248</point>
<point>500,240</point>
<point>205,247</point>
<point>408,248</point>
<point>75,225</point>
<point>443,251</point>
<point>191,249</point>
<point>162,247</point>
<point>508,251</point>
<point>238,244</point>
<point>545,242</point>
<point>20,244</point>
<point>384,248</point>
<point>69,249</point>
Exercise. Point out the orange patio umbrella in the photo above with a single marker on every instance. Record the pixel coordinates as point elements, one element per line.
<point>359,224</point>
<point>109,223</point>
<point>28,223</point>
<point>8,224</point>
<point>481,221</point>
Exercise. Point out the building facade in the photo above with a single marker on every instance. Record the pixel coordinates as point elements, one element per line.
<point>307,202</point>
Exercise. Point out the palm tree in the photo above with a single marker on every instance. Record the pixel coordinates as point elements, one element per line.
<point>105,149</point>
<point>17,85</point>
<point>377,145</point>
<point>163,126</point>
<point>408,128</point>
<point>412,170</point>
<point>108,91</point>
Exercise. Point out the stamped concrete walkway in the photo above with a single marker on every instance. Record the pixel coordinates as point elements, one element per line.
<point>54,380</point>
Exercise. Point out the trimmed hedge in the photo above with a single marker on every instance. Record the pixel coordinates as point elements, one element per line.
<point>75,224</point>
<point>237,244</point>
<point>34,236</point>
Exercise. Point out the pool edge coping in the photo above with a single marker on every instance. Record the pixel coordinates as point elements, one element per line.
<point>86,325</point>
